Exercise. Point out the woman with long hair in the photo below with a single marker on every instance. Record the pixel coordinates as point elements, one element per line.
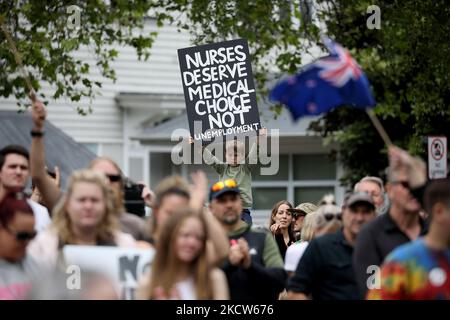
<point>280,225</point>
<point>85,215</point>
<point>181,269</point>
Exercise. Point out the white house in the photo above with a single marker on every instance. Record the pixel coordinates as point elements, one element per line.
<point>132,121</point>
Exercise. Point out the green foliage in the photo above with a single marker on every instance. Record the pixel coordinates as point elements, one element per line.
<point>46,40</point>
<point>406,61</point>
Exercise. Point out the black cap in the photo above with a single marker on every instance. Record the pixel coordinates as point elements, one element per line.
<point>222,187</point>
<point>360,197</point>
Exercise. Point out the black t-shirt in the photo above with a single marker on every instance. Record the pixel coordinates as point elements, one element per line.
<point>325,270</point>
<point>279,239</point>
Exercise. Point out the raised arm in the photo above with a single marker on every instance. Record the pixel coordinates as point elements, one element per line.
<point>253,153</point>
<point>208,158</point>
<point>217,243</point>
<point>49,190</point>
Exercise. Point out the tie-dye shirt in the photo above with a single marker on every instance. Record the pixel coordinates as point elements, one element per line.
<point>414,272</point>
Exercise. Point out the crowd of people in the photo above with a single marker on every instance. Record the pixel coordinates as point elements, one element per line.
<point>387,240</point>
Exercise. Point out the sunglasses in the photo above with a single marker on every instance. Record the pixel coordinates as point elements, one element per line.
<point>404,184</point>
<point>296,214</point>
<point>22,235</point>
<point>229,183</point>
<point>114,177</point>
<point>331,216</point>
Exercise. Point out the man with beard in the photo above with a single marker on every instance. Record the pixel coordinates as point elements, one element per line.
<point>254,267</point>
<point>325,270</point>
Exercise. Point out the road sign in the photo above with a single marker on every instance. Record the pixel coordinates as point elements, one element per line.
<point>437,157</point>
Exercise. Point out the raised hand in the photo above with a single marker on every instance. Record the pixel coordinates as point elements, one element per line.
<point>415,168</point>
<point>263,132</point>
<point>147,194</point>
<point>275,228</point>
<point>245,250</point>
<point>198,189</point>
<point>39,113</point>
<point>235,255</point>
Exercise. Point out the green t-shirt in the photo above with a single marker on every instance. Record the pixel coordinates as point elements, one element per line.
<point>241,173</point>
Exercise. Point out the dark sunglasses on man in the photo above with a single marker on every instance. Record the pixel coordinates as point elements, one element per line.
<point>297,213</point>
<point>114,177</point>
<point>404,184</point>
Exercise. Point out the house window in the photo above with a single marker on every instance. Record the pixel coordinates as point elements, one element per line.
<point>281,175</point>
<point>310,194</point>
<point>136,166</point>
<point>300,178</point>
<point>314,167</point>
<point>161,166</point>
<point>265,198</point>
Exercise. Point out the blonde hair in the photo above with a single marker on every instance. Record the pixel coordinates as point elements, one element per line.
<point>61,220</point>
<point>308,227</point>
<point>166,265</point>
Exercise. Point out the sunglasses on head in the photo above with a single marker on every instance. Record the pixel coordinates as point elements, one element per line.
<point>114,177</point>
<point>22,235</point>
<point>229,183</point>
<point>331,216</point>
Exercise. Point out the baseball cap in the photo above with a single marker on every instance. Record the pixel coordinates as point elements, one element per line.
<point>360,197</point>
<point>221,187</point>
<point>305,207</point>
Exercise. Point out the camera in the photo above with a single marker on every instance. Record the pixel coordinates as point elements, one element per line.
<point>133,198</point>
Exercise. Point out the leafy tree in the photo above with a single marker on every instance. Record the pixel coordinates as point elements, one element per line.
<point>46,35</point>
<point>407,62</point>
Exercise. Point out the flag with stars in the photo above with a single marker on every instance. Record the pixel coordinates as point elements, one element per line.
<point>325,84</point>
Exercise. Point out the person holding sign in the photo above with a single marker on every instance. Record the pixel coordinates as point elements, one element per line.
<point>85,215</point>
<point>238,168</point>
<point>181,269</point>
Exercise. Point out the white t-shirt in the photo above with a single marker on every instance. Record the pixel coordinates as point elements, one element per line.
<point>293,255</point>
<point>41,216</point>
<point>186,289</point>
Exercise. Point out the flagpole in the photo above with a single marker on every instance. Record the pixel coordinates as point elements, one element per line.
<point>17,57</point>
<point>379,127</point>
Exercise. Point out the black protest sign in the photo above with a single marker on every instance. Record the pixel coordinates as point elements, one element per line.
<point>219,90</point>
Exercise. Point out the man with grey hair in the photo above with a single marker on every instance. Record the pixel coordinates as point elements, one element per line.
<point>401,224</point>
<point>375,188</point>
